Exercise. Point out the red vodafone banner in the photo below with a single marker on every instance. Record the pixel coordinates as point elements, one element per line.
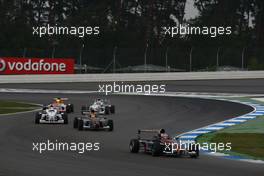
<point>14,66</point>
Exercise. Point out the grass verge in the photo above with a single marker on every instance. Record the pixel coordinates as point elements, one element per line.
<point>250,145</point>
<point>247,138</point>
<point>7,107</point>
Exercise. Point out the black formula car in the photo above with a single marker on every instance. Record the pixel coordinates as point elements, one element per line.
<point>157,143</point>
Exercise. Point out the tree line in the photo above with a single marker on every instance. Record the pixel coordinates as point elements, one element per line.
<point>135,26</point>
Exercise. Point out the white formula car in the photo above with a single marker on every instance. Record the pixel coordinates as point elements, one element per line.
<point>100,106</point>
<point>51,115</point>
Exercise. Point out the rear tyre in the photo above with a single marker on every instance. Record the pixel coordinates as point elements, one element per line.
<point>71,107</point>
<point>80,125</point>
<point>156,149</point>
<point>134,146</point>
<point>112,109</point>
<point>107,110</point>
<point>37,118</point>
<point>68,109</point>
<point>111,125</point>
<point>75,122</point>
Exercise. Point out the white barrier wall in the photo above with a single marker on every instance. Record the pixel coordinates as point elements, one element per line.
<point>131,77</point>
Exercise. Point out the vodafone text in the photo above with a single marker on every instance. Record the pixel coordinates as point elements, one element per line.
<point>36,66</point>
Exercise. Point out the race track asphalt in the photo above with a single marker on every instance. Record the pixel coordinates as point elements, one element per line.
<point>177,115</point>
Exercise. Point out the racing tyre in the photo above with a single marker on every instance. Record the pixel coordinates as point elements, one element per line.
<point>134,146</point>
<point>65,118</point>
<point>37,118</point>
<point>111,125</point>
<point>107,110</point>
<point>156,149</point>
<point>112,109</point>
<point>194,148</point>
<point>44,108</point>
<point>71,107</point>
<point>80,125</point>
<point>68,109</point>
<point>75,122</point>
<point>196,155</point>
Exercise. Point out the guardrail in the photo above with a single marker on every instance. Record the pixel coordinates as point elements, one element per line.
<point>131,77</point>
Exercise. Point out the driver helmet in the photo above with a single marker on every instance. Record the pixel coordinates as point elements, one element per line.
<point>163,134</point>
<point>162,131</point>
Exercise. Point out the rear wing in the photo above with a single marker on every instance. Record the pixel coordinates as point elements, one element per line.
<point>86,112</point>
<point>64,99</point>
<point>101,99</point>
<point>148,134</point>
<point>150,131</point>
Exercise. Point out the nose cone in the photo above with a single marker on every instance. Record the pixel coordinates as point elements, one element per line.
<point>52,113</point>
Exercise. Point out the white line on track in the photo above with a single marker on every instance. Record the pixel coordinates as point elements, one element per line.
<point>236,120</point>
<point>3,90</point>
<point>226,124</point>
<point>17,113</point>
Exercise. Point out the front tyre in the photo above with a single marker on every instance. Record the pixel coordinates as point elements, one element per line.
<point>111,125</point>
<point>65,118</point>
<point>112,109</point>
<point>134,146</point>
<point>75,122</point>
<point>194,148</point>
<point>80,125</point>
<point>156,149</point>
<point>37,118</point>
<point>107,110</point>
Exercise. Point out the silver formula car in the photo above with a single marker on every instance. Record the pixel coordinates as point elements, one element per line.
<point>100,106</point>
<point>93,123</point>
<point>51,115</point>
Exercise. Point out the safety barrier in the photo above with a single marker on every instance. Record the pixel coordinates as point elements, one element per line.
<point>131,77</point>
